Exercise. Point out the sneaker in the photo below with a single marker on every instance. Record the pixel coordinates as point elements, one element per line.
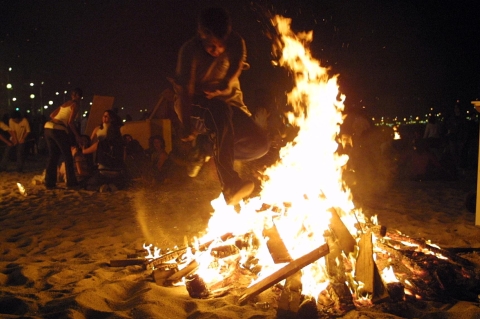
<point>233,195</point>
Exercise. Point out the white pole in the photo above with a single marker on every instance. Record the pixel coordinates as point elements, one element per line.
<point>477,209</point>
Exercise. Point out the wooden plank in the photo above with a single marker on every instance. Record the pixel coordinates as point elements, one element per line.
<point>345,239</point>
<point>283,273</point>
<point>276,246</point>
<point>364,267</point>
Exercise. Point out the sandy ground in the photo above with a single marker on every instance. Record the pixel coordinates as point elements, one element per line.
<point>57,246</point>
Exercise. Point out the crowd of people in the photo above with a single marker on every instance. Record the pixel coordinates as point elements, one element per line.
<point>211,116</point>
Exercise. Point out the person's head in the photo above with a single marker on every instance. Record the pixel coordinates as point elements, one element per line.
<point>127,138</point>
<point>76,94</point>
<point>157,142</point>
<point>214,28</point>
<point>16,116</point>
<point>110,117</point>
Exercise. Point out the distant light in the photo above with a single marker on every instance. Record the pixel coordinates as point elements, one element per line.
<point>56,93</point>
<point>28,111</point>
<point>42,82</point>
<point>50,102</point>
<point>17,109</point>
<point>65,92</point>
<point>124,120</point>
<point>91,103</point>
<point>45,107</point>
<point>32,84</point>
<point>141,111</point>
<point>9,69</point>
<point>14,99</point>
<point>9,86</point>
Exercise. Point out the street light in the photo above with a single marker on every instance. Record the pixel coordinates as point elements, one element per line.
<point>9,88</point>
<point>32,96</point>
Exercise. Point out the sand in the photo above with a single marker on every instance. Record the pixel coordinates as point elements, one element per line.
<point>57,246</point>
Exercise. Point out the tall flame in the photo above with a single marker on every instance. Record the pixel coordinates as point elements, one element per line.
<point>307,179</point>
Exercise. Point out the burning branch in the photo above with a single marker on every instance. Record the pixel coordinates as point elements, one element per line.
<point>283,273</point>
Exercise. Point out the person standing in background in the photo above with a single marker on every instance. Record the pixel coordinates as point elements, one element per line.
<point>19,130</point>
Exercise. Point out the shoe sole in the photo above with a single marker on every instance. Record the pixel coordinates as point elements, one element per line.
<point>243,192</point>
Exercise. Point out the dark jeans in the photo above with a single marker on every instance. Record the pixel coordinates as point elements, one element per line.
<point>235,136</point>
<point>58,144</point>
<point>20,148</point>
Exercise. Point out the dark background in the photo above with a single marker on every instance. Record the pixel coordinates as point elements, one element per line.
<point>396,58</point>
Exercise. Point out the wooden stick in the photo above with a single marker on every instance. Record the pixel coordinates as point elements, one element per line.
<point>127,262</point>
<point>191,267</point>
<point>283,273</point>
<point>345,239</point>
<point>422,244</point>
<point>276,246</point>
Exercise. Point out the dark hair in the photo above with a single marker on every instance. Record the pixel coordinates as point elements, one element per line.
<point>15,115</point>
<point>215,21</point>
<point>115,120</point>
<point>156,137</point>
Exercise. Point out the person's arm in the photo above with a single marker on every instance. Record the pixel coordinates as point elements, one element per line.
<point>237,55</point>
<point>161,160</point>
<point>71,120</point>
<point>91,149</point>
<point>12,132</point>
<point>184,86</point>
<point>6,141</point>
<point>25,133</point>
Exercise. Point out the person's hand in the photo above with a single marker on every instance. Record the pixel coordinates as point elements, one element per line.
<point>189,138</point>
<point>217,89</point>
<point>211,94</point>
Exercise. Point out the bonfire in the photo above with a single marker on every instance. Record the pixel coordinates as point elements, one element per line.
<point>302,236</point>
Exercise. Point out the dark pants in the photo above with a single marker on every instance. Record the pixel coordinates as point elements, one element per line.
<point>58,144</point>
<point>20,148</point>
<point>235,136</point>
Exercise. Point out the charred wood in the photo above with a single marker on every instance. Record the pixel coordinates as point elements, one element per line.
<point>283,273</point>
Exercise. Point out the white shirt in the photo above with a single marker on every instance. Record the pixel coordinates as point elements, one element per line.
<point>21,128</point>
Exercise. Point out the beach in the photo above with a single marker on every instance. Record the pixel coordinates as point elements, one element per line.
<point>57,245</point>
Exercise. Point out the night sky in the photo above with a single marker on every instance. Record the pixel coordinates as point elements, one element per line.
<point>394,57</point>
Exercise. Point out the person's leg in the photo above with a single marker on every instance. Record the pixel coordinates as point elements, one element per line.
<point>5,158</point>
<point>20,156</point>
<point>63,141</point>
<point>251,141</point>
<point>53,157</point>
<point>218,121</point>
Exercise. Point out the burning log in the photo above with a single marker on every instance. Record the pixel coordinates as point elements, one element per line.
<point>336,299</point>
<point>423,245</point>
<point>345,239</point>
<point>291,296</point>
<point>275,245</point>
<point>364,268</point>
<point>191,267</point>
<point>283,273</point>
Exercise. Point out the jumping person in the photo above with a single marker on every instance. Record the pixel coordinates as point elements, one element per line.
<point>210,101</point>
